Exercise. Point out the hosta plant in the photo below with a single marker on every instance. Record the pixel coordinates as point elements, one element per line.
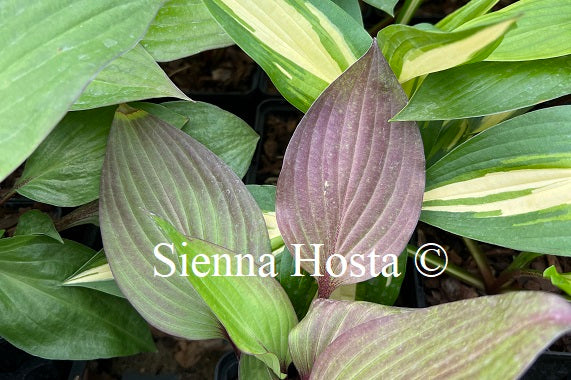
<point>425,122</point>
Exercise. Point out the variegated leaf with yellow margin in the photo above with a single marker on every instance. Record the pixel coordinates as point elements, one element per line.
<point>509,185</point>
<point>302,45</point>
<point>543,30</point>
<point>413,52</point>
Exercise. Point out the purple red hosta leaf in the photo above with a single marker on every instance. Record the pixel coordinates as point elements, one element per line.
<point>494,337</point>
<point>350,179</point>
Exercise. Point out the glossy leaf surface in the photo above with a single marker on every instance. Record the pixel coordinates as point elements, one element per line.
<point>57,322</point>
<point>350,179</point>
<point>65,170</point>
<point>183,28</point>
<point>51,50</point>
<point>151,166</point>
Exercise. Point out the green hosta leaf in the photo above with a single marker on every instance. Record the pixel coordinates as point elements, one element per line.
<point>171,117</point>
<point>413,52</point>
<point>51,49</point>
<point>440,137</point>
<point>542,31</point>
<point>327,320</point>
<point>480,89</point>
<point>387,6</point>
<point>352,8</point>
<point>381,289</point>
<point>95,274</point>
<point>2,233</point>
<point>252,368</point>
<point>300,289</point>
<point>473,9</point>
<point>223,133</point>
<point>183,28</point>
<point>303,45</point>
<point>133,76</point>
<point>57,322</point>
<point>343,182</point>
<point>65,169</point>
<point>153,167</point>
<point>265,196</point>
<point>35,222</point>
<point>561,280</point>
<point>252,307</point>
<point>510,185</point>
<point>488,337</point>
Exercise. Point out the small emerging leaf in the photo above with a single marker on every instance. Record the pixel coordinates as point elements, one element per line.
<point>561,280</point>
<point>252,307</point>
<point>95,274</point>
<point>35,222</point>
<point>133,76</point>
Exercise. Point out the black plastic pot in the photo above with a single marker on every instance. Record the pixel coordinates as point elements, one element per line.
<point>227,367</point>
<point>276,106</point>
<point>550,366</point>
<point>242,104</point>
<point>16,364</point>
